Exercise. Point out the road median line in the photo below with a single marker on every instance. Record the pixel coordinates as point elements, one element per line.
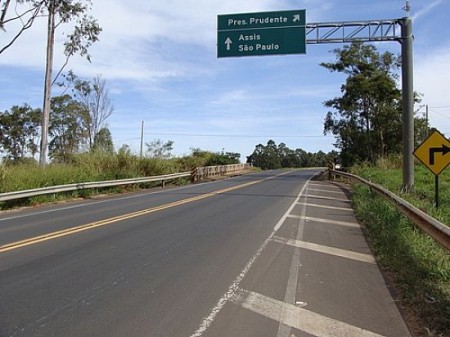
<point>100,223</point>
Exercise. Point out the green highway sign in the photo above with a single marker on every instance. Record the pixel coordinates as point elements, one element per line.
<point>264,33</point>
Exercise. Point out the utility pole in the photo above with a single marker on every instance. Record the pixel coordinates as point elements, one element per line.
<point>142,139</point>
<point>47,86</point>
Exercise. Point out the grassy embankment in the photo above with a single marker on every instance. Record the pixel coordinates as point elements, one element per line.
<point>418,266</point>
<point>87,168</point>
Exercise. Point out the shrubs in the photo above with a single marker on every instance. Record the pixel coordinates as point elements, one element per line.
<point>97,166</point>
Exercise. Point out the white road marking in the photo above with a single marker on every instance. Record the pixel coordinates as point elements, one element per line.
<point>292,284</point>
<point>298,318</point>
<point>327,198</point>
<point>326,191</point>
<point>327,207</point>
<point>328,221</point>
<point>328,186</point>
<point>327,250</point>
<point>209,319</point>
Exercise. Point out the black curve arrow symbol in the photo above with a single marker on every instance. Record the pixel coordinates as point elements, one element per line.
<point>433,150</point>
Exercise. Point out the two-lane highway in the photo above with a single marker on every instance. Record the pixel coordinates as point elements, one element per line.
<point>152,273</point>
<point>215,259</point>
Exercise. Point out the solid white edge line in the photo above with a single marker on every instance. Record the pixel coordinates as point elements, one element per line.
<point>91,203</point>
<point>233,288</point>
<point>292,284</point>
<point>112,199</point>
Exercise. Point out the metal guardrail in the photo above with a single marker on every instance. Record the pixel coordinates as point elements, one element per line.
<point>197,174</point>
<point>436,229</point>
<point>82,186</point>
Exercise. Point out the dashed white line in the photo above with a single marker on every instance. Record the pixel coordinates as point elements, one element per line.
<point>209,319</point>
<point>292,284</point>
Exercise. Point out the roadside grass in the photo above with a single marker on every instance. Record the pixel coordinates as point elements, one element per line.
<point>95,166</point>
<point>422,197</point>
<point>84,168</point>
<point>418,266</point>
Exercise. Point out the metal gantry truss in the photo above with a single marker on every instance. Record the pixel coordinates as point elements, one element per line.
<point>343,32</point>
<point>377,31</point>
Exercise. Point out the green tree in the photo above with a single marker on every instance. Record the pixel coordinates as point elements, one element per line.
<point>19,130</point>
<point>265,157</point>
<point>271,157</point>
<point>94,95</point>
<point>367,117</point>
<point>227,158</point>
<point>158,149</point>
<point>67,128</point>
<point>103,141</point>
<point>85,33</point>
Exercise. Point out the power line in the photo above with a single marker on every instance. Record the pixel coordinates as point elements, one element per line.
<point>438,113</point>
<point>233,136</point>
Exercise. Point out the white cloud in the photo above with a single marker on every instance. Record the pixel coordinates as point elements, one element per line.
<point>425,10</point>
<point>432,72</point>
<point>159,58</point>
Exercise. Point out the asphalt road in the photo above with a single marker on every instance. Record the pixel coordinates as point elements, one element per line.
<point>267,254</point>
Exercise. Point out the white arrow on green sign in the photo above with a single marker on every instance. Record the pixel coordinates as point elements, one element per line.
<point>264,33</point>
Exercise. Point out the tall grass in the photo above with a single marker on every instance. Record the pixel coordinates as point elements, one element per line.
<point>94,166</point>
<point>85,167</point>
<point>390,176</point>
<point>418,265</point>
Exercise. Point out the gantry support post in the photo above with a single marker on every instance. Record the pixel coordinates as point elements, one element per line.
<point>407,104</point>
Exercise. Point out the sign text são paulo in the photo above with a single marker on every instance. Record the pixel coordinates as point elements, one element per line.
<point>265,33</point>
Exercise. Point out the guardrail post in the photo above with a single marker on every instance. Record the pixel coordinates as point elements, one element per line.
<point>330,169</point>
<point>194,175</point>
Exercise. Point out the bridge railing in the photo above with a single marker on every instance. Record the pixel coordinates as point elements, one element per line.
<point>201,173</point>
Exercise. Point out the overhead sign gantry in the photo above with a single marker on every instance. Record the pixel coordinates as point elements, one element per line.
<point>284,32</point>
<point>265,33</point>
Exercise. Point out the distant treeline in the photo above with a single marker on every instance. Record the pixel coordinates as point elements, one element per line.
<point>273,156</point>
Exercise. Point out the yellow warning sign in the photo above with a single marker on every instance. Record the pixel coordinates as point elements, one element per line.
<point>434,152</point>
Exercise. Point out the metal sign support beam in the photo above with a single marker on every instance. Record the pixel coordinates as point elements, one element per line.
<point>408,104</point>
<point>374,31</point>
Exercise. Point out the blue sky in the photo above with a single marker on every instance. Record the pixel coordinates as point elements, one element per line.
<point>160,62</point>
